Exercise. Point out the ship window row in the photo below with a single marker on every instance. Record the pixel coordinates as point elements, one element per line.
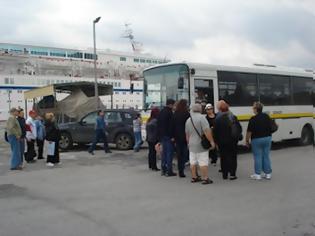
<point>68,54</point>
<point>115,84</point>
<point>46,52</point>
<point>137,60</point>
<point>8,80</point>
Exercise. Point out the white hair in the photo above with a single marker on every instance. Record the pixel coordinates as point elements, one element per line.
<point>196,108</point>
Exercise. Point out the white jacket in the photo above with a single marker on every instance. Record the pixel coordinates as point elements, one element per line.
<point>31,134</point>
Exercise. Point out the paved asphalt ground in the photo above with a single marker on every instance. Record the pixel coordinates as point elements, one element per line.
<point>116,195</point>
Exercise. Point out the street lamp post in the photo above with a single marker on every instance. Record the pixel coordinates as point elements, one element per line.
<point>95,74</point>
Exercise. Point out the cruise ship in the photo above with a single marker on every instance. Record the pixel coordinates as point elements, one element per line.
<point>24,67</point>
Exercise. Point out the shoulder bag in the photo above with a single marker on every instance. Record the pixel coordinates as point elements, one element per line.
<point>273,126</point>
<point>204,141</point>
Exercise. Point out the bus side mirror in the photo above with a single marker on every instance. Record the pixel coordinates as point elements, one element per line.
<point>180,83</point>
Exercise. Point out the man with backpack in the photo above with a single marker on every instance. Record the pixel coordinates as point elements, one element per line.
<point>227,133</point>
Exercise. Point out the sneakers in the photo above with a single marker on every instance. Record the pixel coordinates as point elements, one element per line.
<point>255,177</point>
<point>268,176</point>
<point>49,164</point>
<point>91,152</point>
<point>233,177</point>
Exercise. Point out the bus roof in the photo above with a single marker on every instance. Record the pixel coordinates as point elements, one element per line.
<point>256,68</point>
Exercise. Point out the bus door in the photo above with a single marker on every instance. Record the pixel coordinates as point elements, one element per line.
<point>203,91</point>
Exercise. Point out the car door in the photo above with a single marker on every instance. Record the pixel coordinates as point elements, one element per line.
<point>113,121</point>
<point>128,122</point>
<point>86,130</point>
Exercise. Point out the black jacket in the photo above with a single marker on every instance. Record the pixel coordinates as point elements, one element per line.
<point>21,121</point>
<point>211,121</point>
<point>165,123</point>
<point>179,121</point>
<point>152,131</point>
<point>52,132</point>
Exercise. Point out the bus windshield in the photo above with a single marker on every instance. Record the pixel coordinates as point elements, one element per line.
<point>165,82</point>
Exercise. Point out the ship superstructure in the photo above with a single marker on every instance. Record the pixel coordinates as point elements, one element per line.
<point>24,67</point>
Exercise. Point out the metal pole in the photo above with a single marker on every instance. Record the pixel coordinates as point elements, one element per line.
<point>95,74</point>
<point>9,96</point>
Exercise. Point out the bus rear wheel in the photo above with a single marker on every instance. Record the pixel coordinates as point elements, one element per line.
<point>307,136</point>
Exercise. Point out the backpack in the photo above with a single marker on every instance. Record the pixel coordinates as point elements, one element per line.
<point>236,128</point>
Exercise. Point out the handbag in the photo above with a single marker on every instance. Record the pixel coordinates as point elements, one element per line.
<point>6,136</point>
<point>204,141</point>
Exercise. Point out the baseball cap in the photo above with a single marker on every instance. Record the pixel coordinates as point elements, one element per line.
<point>13,110</point>
<point>208,106</point>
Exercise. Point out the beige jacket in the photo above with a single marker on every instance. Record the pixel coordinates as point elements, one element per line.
<point>13,127</point>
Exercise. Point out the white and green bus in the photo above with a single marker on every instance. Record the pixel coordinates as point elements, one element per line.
<point>288,94</point>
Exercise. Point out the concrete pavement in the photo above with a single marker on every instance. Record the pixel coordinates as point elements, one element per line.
<point>116,194</point>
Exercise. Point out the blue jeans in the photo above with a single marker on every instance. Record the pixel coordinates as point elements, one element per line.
<point>167,155</point>
<point>138,141</point>
<point>15,151</point>
<point>99,135</point>
<point>261,150</point>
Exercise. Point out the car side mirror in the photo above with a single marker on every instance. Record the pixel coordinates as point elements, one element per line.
<point>82,122</point>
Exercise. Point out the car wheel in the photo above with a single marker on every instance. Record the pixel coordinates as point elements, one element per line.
<point>65,142</point>
<point>306,136</point>
<point>123,141</point>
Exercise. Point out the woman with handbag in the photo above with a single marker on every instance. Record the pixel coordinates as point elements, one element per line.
<point>52,138</point>
<point>259,131</point>
<point>200,140</point>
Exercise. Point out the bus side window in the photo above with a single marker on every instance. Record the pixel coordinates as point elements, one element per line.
<point>204,91</point>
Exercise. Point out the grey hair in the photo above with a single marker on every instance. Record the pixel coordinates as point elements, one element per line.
<point>196,108</point>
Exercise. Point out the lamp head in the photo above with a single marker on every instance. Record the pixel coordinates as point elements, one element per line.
<point>97,19</point>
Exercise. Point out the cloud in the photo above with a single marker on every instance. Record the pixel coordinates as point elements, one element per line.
<point>214,31</point>
<point>231,50</point>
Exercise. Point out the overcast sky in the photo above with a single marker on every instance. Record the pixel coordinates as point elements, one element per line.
<point>237,32</point>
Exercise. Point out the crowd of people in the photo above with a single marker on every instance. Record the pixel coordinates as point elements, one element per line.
<point>198,134</point>
<point>194,135</point>
<point>25,136</point>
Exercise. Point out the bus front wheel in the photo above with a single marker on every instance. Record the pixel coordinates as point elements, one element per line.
<point>306,136</point>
